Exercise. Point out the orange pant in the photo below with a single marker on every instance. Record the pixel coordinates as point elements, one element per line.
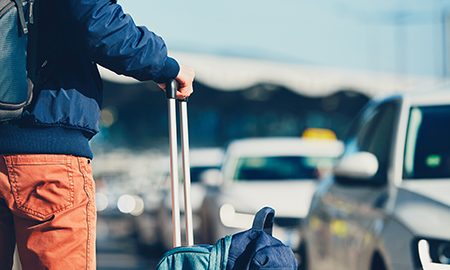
<point>47,207</point>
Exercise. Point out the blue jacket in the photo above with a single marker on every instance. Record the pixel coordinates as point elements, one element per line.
<point>75,36</point>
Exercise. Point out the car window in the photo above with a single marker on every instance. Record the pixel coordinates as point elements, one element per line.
<point>380,142</point>
<point>358,131</point>
<point>427,146</point>
<point>277,168</point>
<point>374,134</point>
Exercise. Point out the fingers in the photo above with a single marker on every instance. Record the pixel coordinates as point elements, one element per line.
<point>185,80</point>
<point>184,93</point>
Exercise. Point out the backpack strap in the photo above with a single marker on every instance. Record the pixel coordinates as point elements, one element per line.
<point>263,220</point>
<point>32,43</point>
<point>23,22</point>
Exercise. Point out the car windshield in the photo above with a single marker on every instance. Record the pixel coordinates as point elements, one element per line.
<point>427,148</point>
<point>277,168</point>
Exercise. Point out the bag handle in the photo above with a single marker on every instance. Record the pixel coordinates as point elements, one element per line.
<point>171,95</point>
<point>263,220</point>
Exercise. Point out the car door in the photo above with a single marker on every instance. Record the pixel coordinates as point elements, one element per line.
<point>350,208</point>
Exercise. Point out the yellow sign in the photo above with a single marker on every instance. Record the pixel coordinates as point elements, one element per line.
<point>319,133</point>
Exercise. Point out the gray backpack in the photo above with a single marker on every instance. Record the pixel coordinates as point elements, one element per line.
<point>17,56</point>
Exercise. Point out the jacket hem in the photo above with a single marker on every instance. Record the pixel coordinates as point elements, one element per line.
<point>43,140</point>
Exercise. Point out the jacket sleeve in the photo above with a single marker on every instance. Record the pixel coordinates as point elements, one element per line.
<point>109,37</point>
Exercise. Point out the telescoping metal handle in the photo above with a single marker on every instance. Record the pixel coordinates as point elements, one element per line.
<point>171,94</point>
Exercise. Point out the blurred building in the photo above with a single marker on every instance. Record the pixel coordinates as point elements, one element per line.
<point>237,98</point>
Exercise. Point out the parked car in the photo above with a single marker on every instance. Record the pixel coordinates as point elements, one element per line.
<point>277,172</point>
<point>390,190</point>
<point>202,160</point>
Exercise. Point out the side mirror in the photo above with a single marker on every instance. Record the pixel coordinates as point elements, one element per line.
<point>362,165</point>
<point>211,177</point>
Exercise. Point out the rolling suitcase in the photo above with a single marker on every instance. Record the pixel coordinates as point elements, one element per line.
<point>255,248</point>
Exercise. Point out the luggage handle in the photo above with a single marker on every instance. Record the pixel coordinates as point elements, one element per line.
<point>171,94</point>
<point>263,220</point>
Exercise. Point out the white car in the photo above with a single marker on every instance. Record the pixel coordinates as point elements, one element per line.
<point>278,172</point>
<point>387,205</point>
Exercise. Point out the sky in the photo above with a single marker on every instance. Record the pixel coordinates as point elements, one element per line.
<point>394,36</point>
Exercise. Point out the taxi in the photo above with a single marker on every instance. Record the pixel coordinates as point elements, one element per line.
<point>387,204</point>
<point>280,172</point>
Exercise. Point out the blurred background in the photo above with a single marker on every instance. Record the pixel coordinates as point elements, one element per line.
<point>263,69</point>
<point>275,68</point>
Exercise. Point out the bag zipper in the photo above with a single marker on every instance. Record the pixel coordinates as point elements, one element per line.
<point>222,253</point>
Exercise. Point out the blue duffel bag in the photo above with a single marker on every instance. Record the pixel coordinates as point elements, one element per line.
<point>255,248</point>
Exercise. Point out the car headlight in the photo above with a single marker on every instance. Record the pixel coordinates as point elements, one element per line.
<point>434,254</point>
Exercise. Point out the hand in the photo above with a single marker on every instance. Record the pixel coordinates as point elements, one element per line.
<point>185,79</point>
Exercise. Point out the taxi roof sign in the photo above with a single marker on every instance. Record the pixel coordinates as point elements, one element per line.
<point>319,133</point>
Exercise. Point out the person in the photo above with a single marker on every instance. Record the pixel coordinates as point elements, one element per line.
<point>47,205</point>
